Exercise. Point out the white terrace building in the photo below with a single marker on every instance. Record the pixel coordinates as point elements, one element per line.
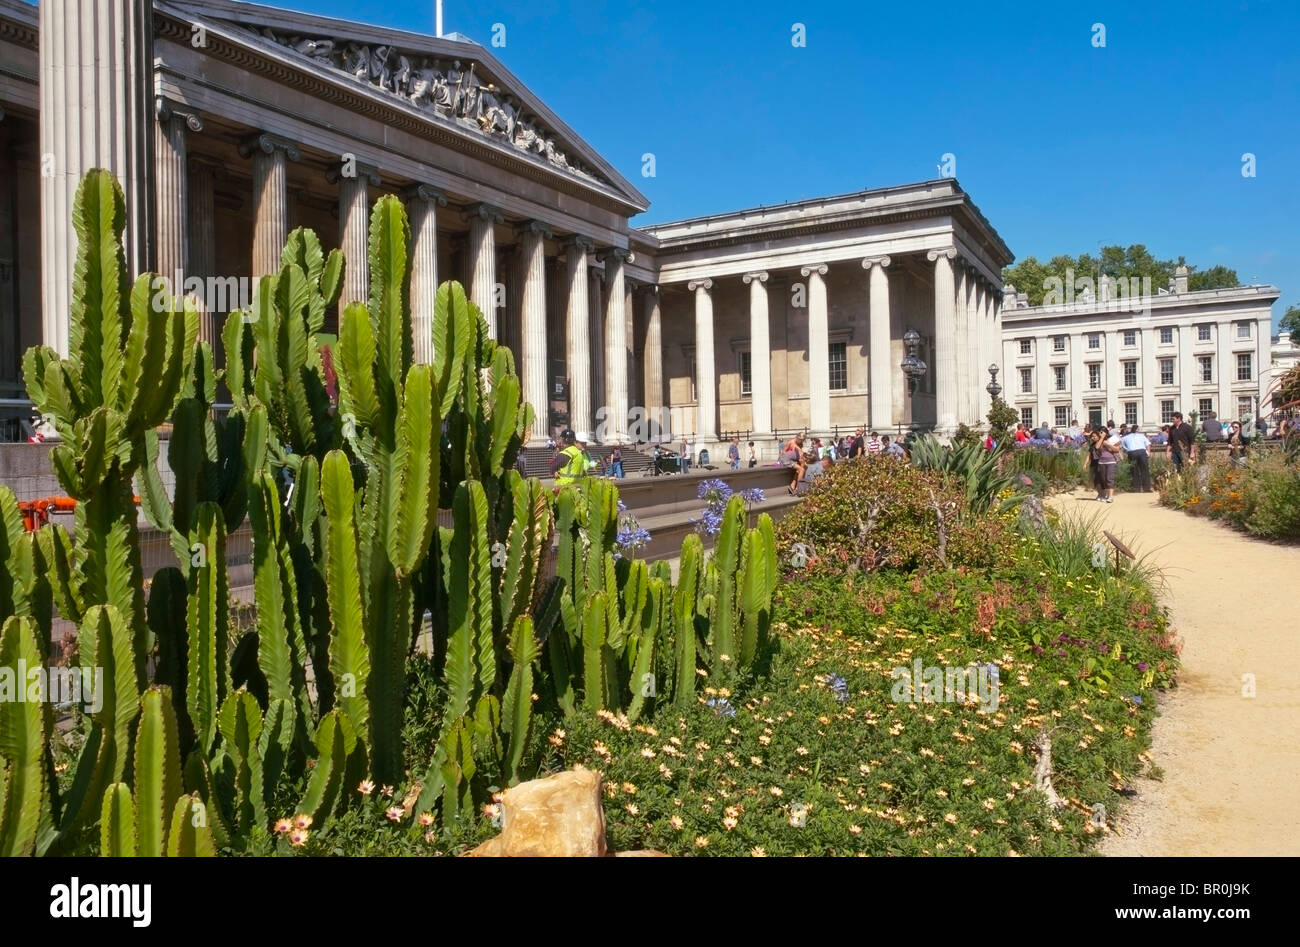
<point>1138,360</point>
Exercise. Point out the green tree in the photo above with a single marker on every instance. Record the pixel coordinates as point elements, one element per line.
<point>1031,276</point>
<point>1290,322</point>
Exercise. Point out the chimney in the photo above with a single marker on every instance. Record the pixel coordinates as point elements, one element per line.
<point>1180,279</point>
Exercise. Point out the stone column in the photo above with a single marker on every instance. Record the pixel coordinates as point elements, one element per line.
<point>880,375</point>
<point>990,346</point>
<point>577,333</point>
<point>422,202</point>
<point>532,320</point>
<point>706,383</point>
<point>945,340</point>
<point>760,355</point>
<point>201,213</point>
<point>635,396</point>
<point>171,191</point>
<point>596,329</point>
<point>615,419</point>
<point>354,231</point>
<point>270,199</point>
<point>819,353</point>
<point>483,260</point>
<point>96,102</point>
<point>652,362</point>
<point>971,350</point>
<point>962,310</point>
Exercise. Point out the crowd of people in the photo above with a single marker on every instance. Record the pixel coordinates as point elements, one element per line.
<point>810,458</point>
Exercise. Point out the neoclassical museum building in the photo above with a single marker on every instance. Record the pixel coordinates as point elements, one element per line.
<point>230,124</point>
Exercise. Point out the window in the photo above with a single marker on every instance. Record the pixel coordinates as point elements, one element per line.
<point>839,366</point>
<point>1027,417</point>
<point>1243,330</point>
<point>1166,371</point>
<point>1245,407</point>
<point>1094,340</point>
<point>1130,337</point>
<point>1205,406</point>
<point>1202,333</point>
<point>1026,346</point>
<point>1026,381</point>
<point>1094,376</point>
<point>746,374</point>
<point>1062,415</point>
<point>1243,367</point>
<point>1130,374</point>
<point>1166,335</point>
<point>1094,414</point>
<point>1206,365</point>
<point>1059,373</point>
<point>1130,413</point>
<point>1058,343</point>
<point>1166,412</point>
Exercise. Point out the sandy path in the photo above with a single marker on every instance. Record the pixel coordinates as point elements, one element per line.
<point>1231,763</point>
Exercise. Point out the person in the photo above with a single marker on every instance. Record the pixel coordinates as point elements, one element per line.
<point>1022,436</point>
<point>894,449</point>
<point>1138,448</point>
<point>733,453</point>
<point>1161,437</point>
<point>1108,449</point>
<point>1182,442</point>
<point>873,444</point>
<point>859,445</point>
<point>753,456</point>
<point>1073,432</point>
<point>685,457</point>
<point>616,462</point>
<point>1212,427</point>
<point>1044,432</point>
<point>570,462</point>
<point>989,442</point>
<point>1093,461</point>
<point>1238,440</point>
<point>1261,427</point>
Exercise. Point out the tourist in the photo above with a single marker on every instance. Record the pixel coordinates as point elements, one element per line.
<point>1237,444</point>
<point>859,445</point>
<point>873,444</point>
<point>792,456</point>
<point>1074,432</point>
<point>1138,447</point>
<point>733,453</point>
<point>1182,442</point>
<point>1093,461</point>
<point>616,463</point>
<point>1161,437</point>
<point>1044,433</point>
<point>1261,427</point>
<point>1108,449</point>
<point>894,449</point>
<point>753,457</point>
<point>1212,427</point>
<point>1022,436</point>
<point>684,459</point>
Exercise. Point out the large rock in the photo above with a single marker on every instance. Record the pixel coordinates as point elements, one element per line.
<point>556,817</point>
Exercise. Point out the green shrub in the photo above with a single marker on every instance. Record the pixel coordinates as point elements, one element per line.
<point>882,513</point>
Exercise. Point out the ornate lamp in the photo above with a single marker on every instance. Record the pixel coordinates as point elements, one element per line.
<point>993,388</point>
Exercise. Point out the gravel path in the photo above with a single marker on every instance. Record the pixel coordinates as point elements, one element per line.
<point>1231,783</point>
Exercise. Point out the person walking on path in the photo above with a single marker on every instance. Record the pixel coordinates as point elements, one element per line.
<point>733,453</point>
<point>1138,448</point>
<point>1182,442</point>
<point>753,456</point>
<point>1107,463</point>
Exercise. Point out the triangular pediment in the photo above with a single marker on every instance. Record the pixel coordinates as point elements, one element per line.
<point>451,81</point>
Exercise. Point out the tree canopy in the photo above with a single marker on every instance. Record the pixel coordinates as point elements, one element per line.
<point>1290,322</point>
<point>1033,277</point>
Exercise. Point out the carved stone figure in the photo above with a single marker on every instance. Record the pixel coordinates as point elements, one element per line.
<point>357,60</point>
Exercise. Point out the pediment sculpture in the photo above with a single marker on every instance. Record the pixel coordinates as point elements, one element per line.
<point>449,89</point>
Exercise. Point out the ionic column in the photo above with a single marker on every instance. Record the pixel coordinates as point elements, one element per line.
<point>615,418</point>
<point>706,384</point>
<point>596,327</point>
<point>483,218</point>
<point>945,339</point>
<point>270,199</point>
<point>990,345</point>
<point>760,354</point>
<point>96,102</point>
<point>532,320</point>
<point>880,374</point>
<point>819,353</point>
<point>354,231</point>
<point>971,351</point>
<point>634,395</point>
<point>171,191</point>
<point>960,274</point>
<point>423,201</point>
<point>652,359</point>
<point>577,332</point>
<point>201,211</point>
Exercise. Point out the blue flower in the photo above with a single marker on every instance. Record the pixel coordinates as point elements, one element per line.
<point>1136,699</point>
<point>839,686</point>
<point>721,706</point>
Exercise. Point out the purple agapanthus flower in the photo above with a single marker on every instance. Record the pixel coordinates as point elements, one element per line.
<point>721,706</point>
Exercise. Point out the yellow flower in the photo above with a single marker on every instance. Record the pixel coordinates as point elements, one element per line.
<point>629,788</point>
<point>366,787</point>
<point>647,752</point>
<point>801,750</point>
<point>302,821</point>
<point>701,842</point>
<point>758,852</point>
<point>283,826</point>
<point>756,760</point>
<point>777,791</point>
<point>676,822</point>
<point>632,809</point>
<point>950,818</point>
<point>394,813</point>
<point>426,818</point>
<point>855,829</point>
<point>298,837</point>
<point>729,823</point>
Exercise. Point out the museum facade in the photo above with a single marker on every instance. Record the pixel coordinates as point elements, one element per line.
<point>230,124</point>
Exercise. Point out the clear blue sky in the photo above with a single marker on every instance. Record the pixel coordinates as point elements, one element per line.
<point>1061,144</point>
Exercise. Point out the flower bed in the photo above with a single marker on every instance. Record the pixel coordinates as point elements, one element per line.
<point>1262,498</point>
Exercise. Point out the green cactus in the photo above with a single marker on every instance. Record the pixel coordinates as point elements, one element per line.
<point>157,771</point>
<point>25,806</point>
<point>349,653</point>
<point>190,835</point>
<point>685,612</point>
<point>207,620</point>
<point>338,751</point>
<point>117,838</point>
<point>241,731</point>
<point>517,706</point>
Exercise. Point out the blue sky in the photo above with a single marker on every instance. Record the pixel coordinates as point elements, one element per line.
<point>1063,145</point>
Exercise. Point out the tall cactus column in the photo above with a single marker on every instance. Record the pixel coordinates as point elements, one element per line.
<point>96,88</point>
<point>270,199</point>
<point>533,312</point>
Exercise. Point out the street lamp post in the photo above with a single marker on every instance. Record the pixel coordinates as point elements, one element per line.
<point>993,388</point>
<point>912,365</point>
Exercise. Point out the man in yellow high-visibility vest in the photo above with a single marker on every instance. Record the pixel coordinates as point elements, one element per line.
<point>571,461</point>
